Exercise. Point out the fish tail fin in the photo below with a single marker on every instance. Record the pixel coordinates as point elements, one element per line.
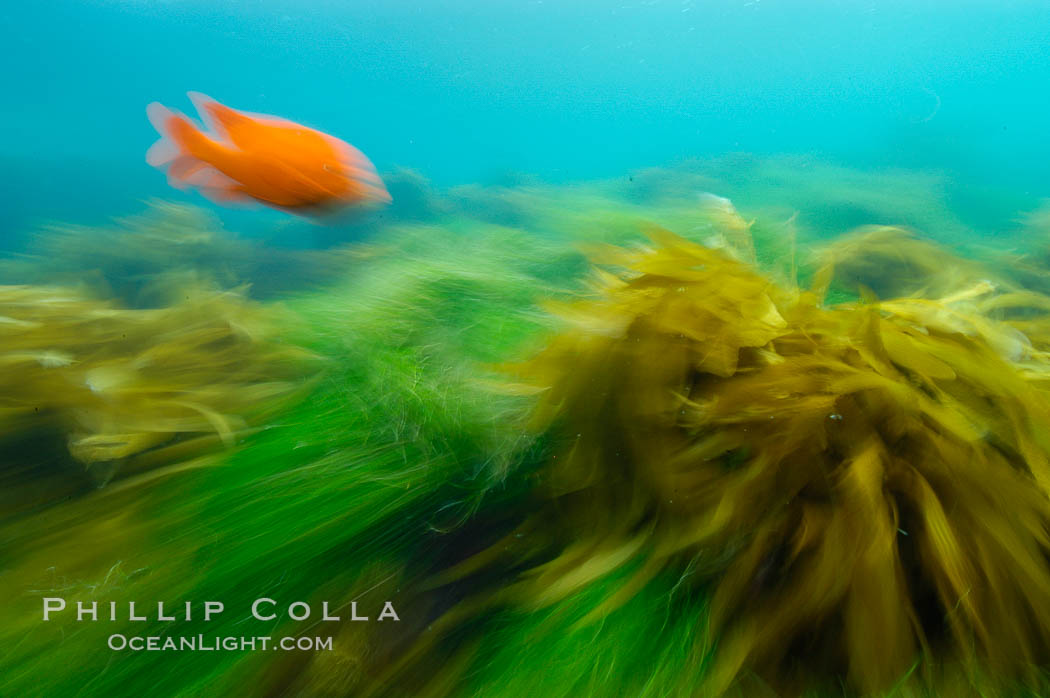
<point>183,148</point>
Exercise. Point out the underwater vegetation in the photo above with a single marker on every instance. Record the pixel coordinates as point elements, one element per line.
<point>822,474</point>
<point>324,499</point>
<point>892,261</point>
<point>609,438</point>
<point>125,389</point>
<point>130,257</point>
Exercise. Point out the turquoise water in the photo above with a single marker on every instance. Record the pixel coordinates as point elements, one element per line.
<point>471,90</point>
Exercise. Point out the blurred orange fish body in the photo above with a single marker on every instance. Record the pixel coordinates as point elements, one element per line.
<point>247,157</point>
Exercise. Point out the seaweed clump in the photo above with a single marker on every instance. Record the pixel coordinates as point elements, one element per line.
<point>115,384</point>
<point>126,257</point>
<point>892,261</point>
<point>860,491</point>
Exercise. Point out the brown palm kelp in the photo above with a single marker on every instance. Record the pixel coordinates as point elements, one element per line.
<point>113,383</point>
<point>893,261</point>
<point>861,489</point>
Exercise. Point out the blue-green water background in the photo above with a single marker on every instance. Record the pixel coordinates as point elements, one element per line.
<point>565,89</point>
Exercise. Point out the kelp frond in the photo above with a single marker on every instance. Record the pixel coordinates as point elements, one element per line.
<point>861,489</point>
<point>117,382</point>
<point>893,261</point>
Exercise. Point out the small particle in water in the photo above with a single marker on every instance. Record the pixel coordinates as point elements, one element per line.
<point>836,417</point>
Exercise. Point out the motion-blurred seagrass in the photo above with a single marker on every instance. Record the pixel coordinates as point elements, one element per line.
<point>709,479</point>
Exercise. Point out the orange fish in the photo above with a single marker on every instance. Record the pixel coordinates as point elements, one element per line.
<point>247,157</point>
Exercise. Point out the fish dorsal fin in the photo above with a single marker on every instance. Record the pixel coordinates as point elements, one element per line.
<point>222,119</point>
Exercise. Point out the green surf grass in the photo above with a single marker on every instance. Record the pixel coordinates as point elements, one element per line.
<point>358,489</point>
